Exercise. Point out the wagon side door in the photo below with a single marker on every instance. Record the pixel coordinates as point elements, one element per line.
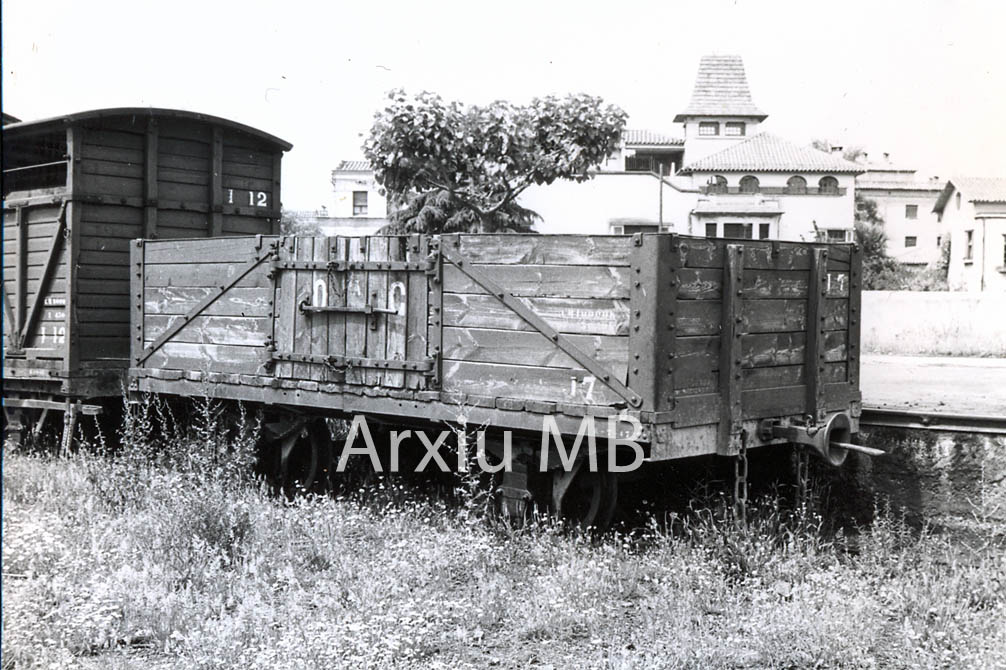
<point>354,311</point>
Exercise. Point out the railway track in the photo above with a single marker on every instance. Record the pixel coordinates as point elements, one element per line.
<point>887,417</point>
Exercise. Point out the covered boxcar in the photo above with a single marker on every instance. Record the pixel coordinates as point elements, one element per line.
<point>77,189</point>
<point>714,346</point>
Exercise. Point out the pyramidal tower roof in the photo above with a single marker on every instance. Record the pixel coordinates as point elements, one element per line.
<point>721,89</point>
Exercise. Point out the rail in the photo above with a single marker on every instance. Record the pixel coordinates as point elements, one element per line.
<point>926,420</point>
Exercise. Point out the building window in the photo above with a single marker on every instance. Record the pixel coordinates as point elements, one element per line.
<point>911,241</point>
<point>939,240</point>
<point>710,230</point>
<point>749,184</point>
<point>643,162</point>
<point>359,203</point>
<point>709,128</point>
<point>764,230</point>
<point>957,199</point>
<point>738,231</point>
<point>734,129</point>
<point>717,184</point>
<point>633,228</point>
<point>836,235</point>
<point>969,244</point>
<point>796,185</point>
<point>828,185</point>
<point>911,211</point>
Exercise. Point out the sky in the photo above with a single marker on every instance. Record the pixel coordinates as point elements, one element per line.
<point>924,81</point>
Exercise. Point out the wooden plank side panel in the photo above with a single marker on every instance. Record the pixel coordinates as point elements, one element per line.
<point>546,249</point>
<point>398,300</point>
<point>174,300</point>
<point>285,308</point>
<point>572,316</point>
<point>706,284</point>
<point>555,281</point>
<point>701,317</point>
<point>224,250</point>
<point>530,348</point>
<point>527,382</point>
<point>337,250</point>
<point>207,358</point>
<point>319,296</point>
<point>303,251</point>
<point>762,255</point>
<point>377,296</point>
<point>417,319</point>
<point>209,329</point>
<point>356,296</point>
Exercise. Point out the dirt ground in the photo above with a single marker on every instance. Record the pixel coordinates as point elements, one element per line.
<point>941,384</point>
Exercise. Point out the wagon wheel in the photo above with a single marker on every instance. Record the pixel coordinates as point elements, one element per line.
<point>584,498</point>
<point>302,457</point>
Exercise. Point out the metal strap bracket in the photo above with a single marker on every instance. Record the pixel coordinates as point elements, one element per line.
<point>345,362</point>
<point>346,266</point>
<point>538,323</point>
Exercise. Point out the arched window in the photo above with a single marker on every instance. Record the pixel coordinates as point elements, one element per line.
<point>796,185</point>
<point>749,184</point>
<point>828,185</point>
<point>717,184</point>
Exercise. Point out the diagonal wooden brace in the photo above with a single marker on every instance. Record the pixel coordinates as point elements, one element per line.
<point>203,304</point>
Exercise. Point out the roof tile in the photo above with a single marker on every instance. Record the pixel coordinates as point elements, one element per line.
<point>721,89</point>
<point>766,152</point>
<point>651,138</point>
<point>353,166</point>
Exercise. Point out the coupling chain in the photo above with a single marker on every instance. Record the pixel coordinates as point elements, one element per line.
<point>741,480</point>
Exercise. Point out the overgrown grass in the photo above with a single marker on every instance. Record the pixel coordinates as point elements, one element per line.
<point>166,554</point>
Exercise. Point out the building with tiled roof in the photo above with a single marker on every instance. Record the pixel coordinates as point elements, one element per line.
<point>766,152</point>
<point>359,207</point>
<point>722,176</point>
<point>973,211</point>
<point>353,166</point>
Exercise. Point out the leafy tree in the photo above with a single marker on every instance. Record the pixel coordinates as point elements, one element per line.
<point>449,167</point>
<point>879,269</point>
<point>292,222</point>
<point>852,154</point>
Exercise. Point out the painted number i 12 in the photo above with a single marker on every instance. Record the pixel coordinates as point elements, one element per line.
<point>255,198</point>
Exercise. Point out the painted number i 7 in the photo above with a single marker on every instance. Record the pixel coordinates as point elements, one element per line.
<point>255,198</point>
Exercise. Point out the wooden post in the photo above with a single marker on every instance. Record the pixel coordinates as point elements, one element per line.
<point>731,377</point>
<point>653,295</point>
<point>75,140</point>
<point>150,182</point>
<point>21,305</point>
<point>216,184</point>
<point>817,293</point>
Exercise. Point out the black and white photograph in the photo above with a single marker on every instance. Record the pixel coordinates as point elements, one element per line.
<point>526,335</point>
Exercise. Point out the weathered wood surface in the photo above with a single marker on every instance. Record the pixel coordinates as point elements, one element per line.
<point>527,382</point>
<point>398,300</point>
<point>706,284</point>
<point>545,249</point>
<point>555,281</point>
<point>701,317</point>
<point>761,255</point>
<point>377,297</point>
<point>574,316</point>
<point>531,348</point>
<point>356,296</point>
<point>208,329</point>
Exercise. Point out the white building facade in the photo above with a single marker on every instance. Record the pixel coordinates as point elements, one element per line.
<point>734,179</point>
<point>973,211</point>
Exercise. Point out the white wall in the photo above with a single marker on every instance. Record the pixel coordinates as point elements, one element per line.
<point>800,212</point>
<point>345,183</point>
<point>926,228</point>
<point>589,208</point>
<point>939,322</point>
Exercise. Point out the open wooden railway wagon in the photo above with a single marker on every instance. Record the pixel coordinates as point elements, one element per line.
<point>77,189</point>
<point>714,345</point>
